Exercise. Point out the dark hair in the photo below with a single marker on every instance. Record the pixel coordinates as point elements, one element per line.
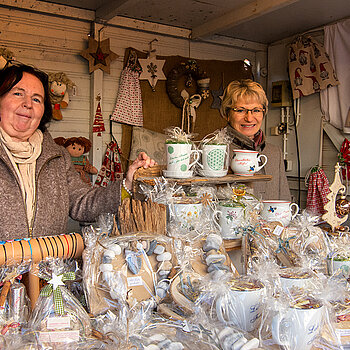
<point>12,74</point>
<point>81,141</point>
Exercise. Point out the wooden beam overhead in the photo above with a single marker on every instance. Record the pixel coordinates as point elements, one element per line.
<point>237,16</point>
<point>109,9</point>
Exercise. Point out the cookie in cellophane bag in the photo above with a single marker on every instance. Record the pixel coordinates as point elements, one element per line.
<point>127,269</point>
<point>58,318</point>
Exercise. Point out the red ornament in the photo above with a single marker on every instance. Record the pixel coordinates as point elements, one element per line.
<point>98,125</point>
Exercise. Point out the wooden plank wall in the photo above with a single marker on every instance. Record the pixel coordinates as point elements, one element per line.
<point>53,43</point>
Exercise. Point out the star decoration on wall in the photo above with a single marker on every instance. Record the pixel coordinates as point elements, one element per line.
<point>99,55</point>
<point>217,97</point>
<point>152,70</point>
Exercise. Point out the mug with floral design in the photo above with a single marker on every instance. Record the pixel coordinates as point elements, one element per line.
<point>227,218</point>
<point>186,214</point>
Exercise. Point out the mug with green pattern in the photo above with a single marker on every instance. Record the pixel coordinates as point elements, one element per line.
<point>213,158</point>
<point>179,155</point>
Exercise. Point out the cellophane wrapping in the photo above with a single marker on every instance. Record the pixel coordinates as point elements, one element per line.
<point>58,318</point>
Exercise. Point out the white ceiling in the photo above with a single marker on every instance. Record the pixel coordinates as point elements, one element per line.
<point>263,21</point>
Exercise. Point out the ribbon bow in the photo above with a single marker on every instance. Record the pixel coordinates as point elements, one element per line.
<point>53,286</point>
<point>286,246</point>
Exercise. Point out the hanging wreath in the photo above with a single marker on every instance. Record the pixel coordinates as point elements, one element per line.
<point>193,74</point>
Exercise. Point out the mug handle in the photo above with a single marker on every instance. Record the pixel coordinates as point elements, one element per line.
<point>294,205</point>
<point>215,217</point>
<point>264,161</point>
<point>196,158</point>
<point>222,303</point>
<point>275,329</point>
<point>200,165</point>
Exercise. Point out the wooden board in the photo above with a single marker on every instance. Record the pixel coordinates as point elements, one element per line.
<point>210,180</point>
<point>232,244</point>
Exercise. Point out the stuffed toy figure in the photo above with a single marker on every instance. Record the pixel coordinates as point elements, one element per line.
<point>77,146</point>
<point>59,85</point>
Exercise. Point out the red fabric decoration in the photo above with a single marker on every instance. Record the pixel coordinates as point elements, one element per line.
<point>98,125</point>
<point>318,189</point>
<point>344,158</point>
<point>111,169</point>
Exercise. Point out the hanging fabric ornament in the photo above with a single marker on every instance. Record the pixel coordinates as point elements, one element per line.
<point>152,69</point>
<point>98,125</point>
<point>99,55</point>
<point>111,169</point>
<point>128,108</point>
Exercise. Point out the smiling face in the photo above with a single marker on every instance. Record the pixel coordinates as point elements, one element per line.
<point>249,123</point>
<point>22,108</point>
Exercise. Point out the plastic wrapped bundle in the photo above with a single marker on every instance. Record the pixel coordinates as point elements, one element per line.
<point>58,318</point>
<point>294,322</point>
<point>127,270</point>
<point>14,302</point>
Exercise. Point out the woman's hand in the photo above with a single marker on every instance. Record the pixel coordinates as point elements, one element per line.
<point>142,160</point>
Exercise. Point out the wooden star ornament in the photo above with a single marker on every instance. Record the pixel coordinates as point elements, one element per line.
<point>99,55</point>
<point>152,70</point>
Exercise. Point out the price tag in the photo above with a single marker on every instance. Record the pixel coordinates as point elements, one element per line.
<point>278,230</point>
<point>135,281</point>
<point>58,322</point>
<point>59,336</point>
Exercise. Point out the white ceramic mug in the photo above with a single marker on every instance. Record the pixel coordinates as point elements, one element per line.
<point>186,214</point>
<point>279,210</point>
<point>178,157</point>
<point>227,219</point>
<point>213,160</point>
<point>288,283</point>
<point>334,265</point>
<point>297,328</point>
<point>246,162</point>
<point>241,308</point>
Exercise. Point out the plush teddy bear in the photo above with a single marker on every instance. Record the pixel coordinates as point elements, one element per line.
<point>59,85</point>
<point>77,146</point>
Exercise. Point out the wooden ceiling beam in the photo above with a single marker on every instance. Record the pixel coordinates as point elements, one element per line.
<point>237,16</point>
<point>109,9</point>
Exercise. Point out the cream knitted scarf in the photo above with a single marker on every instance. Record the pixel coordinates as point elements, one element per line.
<point>23,156</point>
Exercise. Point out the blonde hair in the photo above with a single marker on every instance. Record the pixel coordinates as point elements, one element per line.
<point>246,89</point>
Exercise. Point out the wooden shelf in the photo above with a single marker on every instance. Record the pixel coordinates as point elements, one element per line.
<point>210,180</point>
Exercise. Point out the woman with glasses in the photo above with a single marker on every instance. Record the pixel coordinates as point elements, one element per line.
<point>39,186</point>
<point>244,106</point>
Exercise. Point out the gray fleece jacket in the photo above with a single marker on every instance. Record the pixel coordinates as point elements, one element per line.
<point>59,193</point>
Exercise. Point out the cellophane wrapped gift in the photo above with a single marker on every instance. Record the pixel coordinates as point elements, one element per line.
<point>126,277</point>
<point>14,301</point>
<point>161,333</point>
<point>292,321</point>
<point>307,242</point>
<point>58,318</point>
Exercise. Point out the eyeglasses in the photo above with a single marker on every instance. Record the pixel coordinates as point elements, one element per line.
<point>256,112</point>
